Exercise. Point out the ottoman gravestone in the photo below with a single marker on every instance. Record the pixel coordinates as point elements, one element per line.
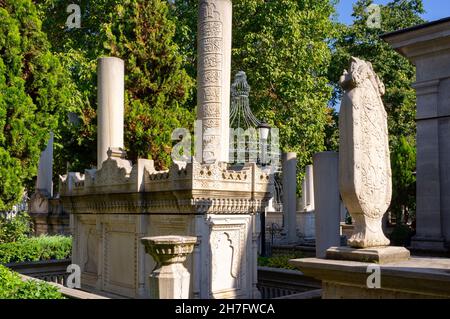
<point>364,164</point>
<point>365,180</point>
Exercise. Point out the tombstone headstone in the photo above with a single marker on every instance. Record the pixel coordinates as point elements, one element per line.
<point>44,182</point>
<point>289,195</point>
<point>326,193</point>
<point>364,161</point>
<point>305,207</point>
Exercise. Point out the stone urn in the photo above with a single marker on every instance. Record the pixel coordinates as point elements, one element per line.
<point>170,279</point>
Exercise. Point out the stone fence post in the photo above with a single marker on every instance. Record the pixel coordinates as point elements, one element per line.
<point>289,196</point>
<point>170,279</point>
<point>327,201</point>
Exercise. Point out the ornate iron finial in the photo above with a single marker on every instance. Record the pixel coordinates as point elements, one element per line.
<point>241,115</point>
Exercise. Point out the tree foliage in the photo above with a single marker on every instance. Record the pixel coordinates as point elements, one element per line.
<point>396,72</point>
<point>141,32</point>
<point>35,94</point>
<point>157,87</point>
<point>403,162</point>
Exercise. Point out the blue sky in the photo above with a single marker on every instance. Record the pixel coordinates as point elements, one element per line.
<point>435,9</point>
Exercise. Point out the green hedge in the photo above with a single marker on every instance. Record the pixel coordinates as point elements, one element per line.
<point>13,287</point>
<point>35,249</point>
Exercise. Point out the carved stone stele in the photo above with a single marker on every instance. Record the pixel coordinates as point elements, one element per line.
<point>364,162</point>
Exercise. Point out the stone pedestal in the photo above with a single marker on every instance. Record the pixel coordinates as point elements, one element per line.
<point>307,224</point>
<point>55,221</point>
<point>289,196</point>
<point>428,47</point>
<point>381,255</point>
<point>46,212</point>
<point>416,278</point>
<point>110,111</point>
<point>307,198</point>
<point>170,279</point>
<point>326,193</point>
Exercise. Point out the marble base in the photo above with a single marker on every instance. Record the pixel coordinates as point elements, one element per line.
<point>379,255</point>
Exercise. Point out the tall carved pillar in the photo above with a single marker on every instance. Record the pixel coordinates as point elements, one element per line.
<point>214,67</point>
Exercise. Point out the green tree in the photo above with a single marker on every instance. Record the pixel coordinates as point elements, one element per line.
<point>78,49</point>
<point>403,161</point>
<point>141,32</point>
<point>35,95</point>
<point>283,48</point>
<point>157,87</point>
<point>396,72</point>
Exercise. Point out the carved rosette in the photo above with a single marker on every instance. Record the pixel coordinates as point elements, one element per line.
<point>364,161</point>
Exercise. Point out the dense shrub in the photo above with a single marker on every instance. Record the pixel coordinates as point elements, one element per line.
<point>15,229</point>
<point>36,96</point>
<point>13,287</point>
<point>36,248</point>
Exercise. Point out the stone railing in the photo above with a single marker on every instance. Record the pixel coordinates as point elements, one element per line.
<point>48,270</point>
<point>282,283</point>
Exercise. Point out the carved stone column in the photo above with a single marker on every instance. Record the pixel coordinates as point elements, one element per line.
<point>170,279</point>
<point>214,67</point>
